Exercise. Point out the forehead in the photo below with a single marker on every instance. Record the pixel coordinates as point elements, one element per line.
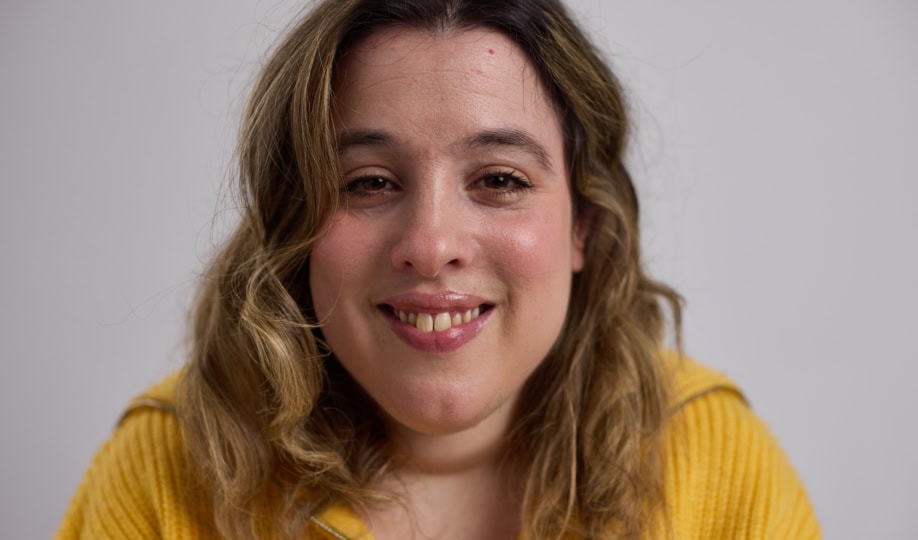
<point>399,41</point>
<point>441,79</point>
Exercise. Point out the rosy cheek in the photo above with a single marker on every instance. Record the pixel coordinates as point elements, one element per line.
<point>347,241</point>
<point>530,247</point>
<point>334,251</point>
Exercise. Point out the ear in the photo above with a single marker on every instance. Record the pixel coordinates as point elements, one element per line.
<point>583,222</point>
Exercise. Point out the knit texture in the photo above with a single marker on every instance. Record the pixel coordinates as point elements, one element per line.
<point>725,478</point>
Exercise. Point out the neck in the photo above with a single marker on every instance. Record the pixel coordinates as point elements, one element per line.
<point>476,448</point>
<point>453,484</point>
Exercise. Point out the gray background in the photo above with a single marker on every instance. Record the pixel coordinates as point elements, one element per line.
<point>776,158</point>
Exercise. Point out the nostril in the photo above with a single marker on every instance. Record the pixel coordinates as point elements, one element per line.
<point>427,251</point>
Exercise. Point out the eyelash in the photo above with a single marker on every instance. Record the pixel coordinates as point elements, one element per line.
<point>516,183</point>
<point>357,186</point>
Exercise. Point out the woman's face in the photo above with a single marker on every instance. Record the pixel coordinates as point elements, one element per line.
<point>444,278</point>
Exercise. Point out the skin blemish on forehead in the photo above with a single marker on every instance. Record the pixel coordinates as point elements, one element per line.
<point>490,51</point>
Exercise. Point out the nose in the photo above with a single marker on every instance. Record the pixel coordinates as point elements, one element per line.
<point>434,236</point>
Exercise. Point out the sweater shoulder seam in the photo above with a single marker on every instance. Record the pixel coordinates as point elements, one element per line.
<point>145,403</point>
<point>730,388</point>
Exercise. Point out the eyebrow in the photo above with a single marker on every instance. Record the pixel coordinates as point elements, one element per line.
<point>365,137</point>
<point>514,138</point>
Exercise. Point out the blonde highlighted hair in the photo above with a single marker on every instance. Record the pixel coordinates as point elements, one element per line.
<point>276,425</point>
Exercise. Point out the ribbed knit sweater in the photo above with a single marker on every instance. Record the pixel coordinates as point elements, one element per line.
<point>725,476</point>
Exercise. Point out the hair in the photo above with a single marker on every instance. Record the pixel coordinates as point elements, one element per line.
<point>277,426</point>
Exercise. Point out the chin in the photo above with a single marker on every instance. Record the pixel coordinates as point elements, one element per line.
<point>439,410</point>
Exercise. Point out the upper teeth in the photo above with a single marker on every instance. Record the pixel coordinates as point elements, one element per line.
<point>429,322</point>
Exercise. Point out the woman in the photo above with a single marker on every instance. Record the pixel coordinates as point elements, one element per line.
<point>432,320</point>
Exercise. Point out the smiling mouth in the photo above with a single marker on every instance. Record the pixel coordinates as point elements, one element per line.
<point>437,322</point>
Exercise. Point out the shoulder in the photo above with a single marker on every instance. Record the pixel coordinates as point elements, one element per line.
<point>138,485</point>
<point>159,397</point>
<point>692,380</point>
<point>726,475</point>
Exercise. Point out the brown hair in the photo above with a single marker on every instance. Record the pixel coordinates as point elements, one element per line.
<point>277,425</point>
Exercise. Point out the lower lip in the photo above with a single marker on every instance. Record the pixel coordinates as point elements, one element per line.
<point>444,341</point>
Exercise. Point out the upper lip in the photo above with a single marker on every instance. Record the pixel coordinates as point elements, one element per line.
<point>435,302</point>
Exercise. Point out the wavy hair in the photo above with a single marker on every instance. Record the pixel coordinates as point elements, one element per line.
<point>276,425</point>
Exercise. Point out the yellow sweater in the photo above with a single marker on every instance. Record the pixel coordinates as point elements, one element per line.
<point>726,476</point>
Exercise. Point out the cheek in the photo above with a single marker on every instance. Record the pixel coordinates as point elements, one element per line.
<point>534,246</point>
<point>336,258</point>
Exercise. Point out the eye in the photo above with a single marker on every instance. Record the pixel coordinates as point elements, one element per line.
<point>502,184</point>
<point>369,186</point>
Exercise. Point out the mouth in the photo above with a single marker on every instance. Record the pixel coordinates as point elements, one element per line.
<point>439,321</point>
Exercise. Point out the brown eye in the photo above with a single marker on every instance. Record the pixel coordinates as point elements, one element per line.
<point>368,184</point>
<point>502,182</point>
<point>499,181</point>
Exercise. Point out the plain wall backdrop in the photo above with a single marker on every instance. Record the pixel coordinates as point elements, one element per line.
<point>775,154</point>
